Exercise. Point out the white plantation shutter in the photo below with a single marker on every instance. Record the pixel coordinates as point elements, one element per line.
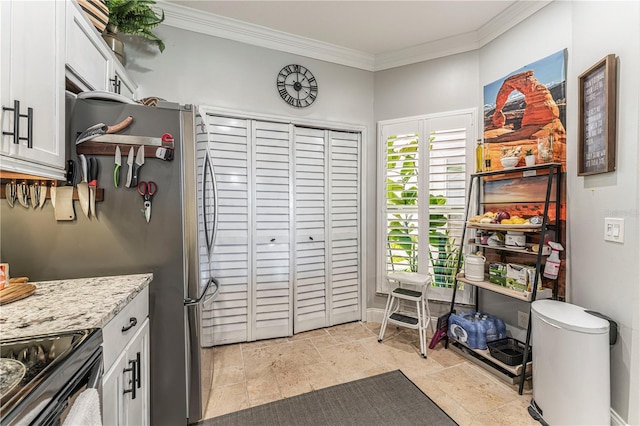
<point>402,208</point>
<point>344,253</point>
<point>447,175</point>
<point>310,228</point>
<point>228,317</point>
<point>271,278</point>
<point>424,169</point>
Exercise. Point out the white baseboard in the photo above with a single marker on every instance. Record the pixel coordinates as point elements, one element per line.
<point>375,315</point>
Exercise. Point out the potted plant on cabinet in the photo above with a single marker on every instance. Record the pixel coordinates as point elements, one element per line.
<point>529,158</point>
<point>134,17</point>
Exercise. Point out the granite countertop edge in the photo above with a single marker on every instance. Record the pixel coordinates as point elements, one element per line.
<point>67,305</point>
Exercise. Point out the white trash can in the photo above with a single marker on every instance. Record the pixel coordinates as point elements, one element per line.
<point>571,383</point>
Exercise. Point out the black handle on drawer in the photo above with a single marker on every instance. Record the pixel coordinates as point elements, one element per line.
<point>133,321</point>
<point>132,381</point>
<point>138,369</point>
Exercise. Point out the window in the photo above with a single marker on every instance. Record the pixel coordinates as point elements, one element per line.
<point>422,194</point>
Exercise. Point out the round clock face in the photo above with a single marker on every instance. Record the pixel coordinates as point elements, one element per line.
<point>297,86</point>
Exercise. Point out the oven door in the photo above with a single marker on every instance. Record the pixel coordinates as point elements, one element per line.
<point>80,402</point>
<point>51,400</point>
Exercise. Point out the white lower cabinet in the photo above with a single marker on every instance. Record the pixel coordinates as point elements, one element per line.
<point>125,384</point>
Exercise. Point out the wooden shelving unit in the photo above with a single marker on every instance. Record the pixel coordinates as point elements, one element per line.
<point>512,374</point>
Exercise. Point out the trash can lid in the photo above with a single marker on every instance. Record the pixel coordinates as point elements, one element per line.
<point>569,317</point>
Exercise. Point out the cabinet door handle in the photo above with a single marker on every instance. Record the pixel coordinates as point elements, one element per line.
<point>29,127</point>
<point>273,239</point>
<point>115,81</point>
<point>133,321</point>
<point>16,124</point>
<point>132,381</point>
<point>138,369</point>
<point>311,238</point>
<point>16,121</point>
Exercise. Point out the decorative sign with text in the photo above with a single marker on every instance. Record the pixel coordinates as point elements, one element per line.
<point>597,131</point>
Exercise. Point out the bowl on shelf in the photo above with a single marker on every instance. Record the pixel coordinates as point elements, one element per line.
<point>509,162</point>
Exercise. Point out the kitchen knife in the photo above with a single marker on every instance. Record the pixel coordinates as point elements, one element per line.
<point>83,186</point>
<point>101,129</point>
<point>23,194</point>
<point>116,169</point>
<point>71,172</point>
<point>93,183</point>
<point>64,203</point>
<point>64,195</point>
<point>52,190</point>
<point>34,191</point>
<point>10,192</point>
<point>130,171</point>
<point>137,165</point>
<point>43,194</point>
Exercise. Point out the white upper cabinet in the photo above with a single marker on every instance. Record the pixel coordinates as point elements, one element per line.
<point>87,56</point>
<point>32,78</point>
<point>90,64</point>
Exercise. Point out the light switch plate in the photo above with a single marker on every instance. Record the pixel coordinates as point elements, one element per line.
<point>614,229</point>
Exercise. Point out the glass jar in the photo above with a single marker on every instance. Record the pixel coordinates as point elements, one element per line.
<point>545,149</point>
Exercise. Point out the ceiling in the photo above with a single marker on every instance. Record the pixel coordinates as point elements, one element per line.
<point>381,34</point>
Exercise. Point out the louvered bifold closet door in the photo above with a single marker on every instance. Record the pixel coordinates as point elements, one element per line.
<point>272,239</point>
<point>310,283</point>
<point>344,226</point>
<point>229,149</point>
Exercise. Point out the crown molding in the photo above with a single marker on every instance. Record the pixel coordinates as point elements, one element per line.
<point>509,18</point>
<point>207,23</point>
<point>185,18</point>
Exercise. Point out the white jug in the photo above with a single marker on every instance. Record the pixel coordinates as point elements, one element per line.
<point>474,267</point>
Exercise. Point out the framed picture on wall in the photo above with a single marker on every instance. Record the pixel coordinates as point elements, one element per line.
<point>597,118</point>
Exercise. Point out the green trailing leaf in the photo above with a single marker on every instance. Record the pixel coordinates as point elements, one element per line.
<point>136,17</point>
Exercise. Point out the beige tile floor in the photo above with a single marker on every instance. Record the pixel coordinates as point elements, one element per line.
<point>250,374</point>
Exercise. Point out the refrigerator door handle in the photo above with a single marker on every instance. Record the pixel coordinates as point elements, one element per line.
<point>204,298</point>
<point>208,170</point>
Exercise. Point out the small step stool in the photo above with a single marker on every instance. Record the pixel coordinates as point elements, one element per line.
<point>420,282</point>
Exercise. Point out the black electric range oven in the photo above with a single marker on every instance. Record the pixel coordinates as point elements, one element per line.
<point>41,376</point>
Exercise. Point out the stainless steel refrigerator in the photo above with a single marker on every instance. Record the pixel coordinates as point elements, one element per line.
<point>175,244</point>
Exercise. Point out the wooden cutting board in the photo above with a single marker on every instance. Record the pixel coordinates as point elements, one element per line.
<point>14,292</point>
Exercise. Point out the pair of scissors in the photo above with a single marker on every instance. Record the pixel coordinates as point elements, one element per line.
<point>147,190</point>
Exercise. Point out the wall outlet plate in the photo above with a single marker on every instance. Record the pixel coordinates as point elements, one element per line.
<point>523,319</point>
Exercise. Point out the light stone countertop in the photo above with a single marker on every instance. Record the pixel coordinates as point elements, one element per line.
<point>67,305</point>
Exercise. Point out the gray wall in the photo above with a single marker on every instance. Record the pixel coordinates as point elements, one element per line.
<point>602,276</point>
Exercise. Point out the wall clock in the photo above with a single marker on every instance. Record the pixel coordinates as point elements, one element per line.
<point>297,86</point>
